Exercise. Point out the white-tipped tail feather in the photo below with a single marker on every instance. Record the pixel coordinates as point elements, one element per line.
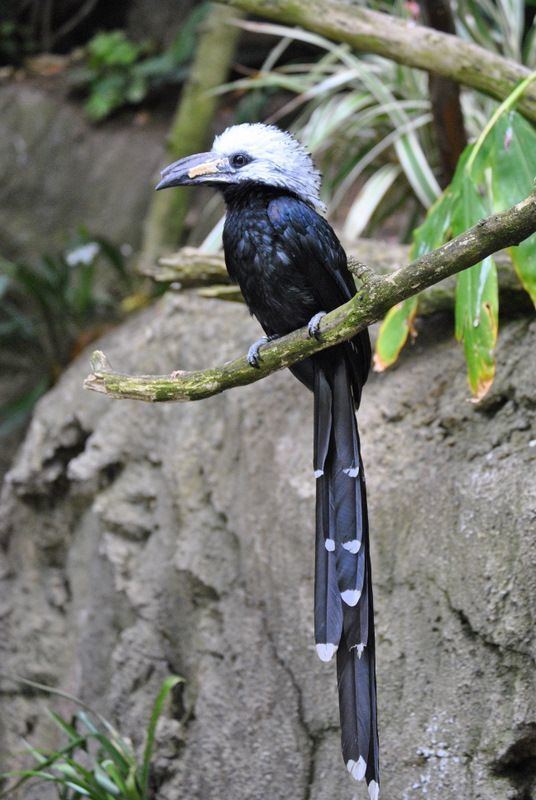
<point>373,790</point>
<point>352,472</point>
<point>357,768</point>
<point>326,651</point>
<point>343,591</point>
<point>351,597</point>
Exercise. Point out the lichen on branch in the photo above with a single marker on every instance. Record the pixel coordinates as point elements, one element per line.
<point>375,297</point>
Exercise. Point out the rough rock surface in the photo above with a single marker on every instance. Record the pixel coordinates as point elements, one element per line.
<point>141,540</point>
<point>70,173</point>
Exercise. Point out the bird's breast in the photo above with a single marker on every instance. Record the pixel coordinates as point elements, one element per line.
<point>270,277</point>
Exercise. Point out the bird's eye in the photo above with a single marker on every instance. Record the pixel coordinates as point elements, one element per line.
<point>240,160</point>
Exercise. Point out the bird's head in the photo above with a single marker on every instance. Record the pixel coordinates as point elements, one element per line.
<point>250,154</point>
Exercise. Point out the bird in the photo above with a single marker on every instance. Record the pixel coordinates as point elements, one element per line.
<point>292,270</point>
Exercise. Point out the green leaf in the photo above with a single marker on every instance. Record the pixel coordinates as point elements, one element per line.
<point>437,226</point>
<point>368,200</point>
<point>398,322</point>
<point>71,773</point>
<point>183,46</point>
<point>71,732</point>
<point>113,752</point>
<point>394,331</point>
<point>39,757</point>
<point>118,779</point>
<point>168,684</point>
<point>103,780</point>
<point>85,720</point>
<point>76,788</point>
<point>113,48</point>
<point>477,301</point>
<point>107,94</point>
<point>512,155</point>
<point>136,89</point>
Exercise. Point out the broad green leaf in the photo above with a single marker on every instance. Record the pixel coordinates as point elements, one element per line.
<point>394,331</point>
<point>437,226</point>
<point>398,322</point>
<point>512,156</point>
<point>477,300</point>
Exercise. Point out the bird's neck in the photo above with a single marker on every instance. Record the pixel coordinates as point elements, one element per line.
<point>252,194</point>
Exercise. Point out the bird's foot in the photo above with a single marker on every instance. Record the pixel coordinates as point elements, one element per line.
<point>254,356</point>
<point>313,326</point>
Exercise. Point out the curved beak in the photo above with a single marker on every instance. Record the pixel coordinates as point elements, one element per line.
<point>189,171</point>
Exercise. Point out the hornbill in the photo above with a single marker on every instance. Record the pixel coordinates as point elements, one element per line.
<point>292,269</point>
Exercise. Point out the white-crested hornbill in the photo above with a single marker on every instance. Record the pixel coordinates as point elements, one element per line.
<point>292,269</point>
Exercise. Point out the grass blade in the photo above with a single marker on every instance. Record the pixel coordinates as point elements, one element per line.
<point>368,200</point>
<point>168,684</point>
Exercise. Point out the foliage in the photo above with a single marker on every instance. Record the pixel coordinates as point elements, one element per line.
<point>368,120</point>
<point>493,174</point>
<point>354,112</point>
<point>361,114</point>
<point>47,309</point>
<point>15,39</point>
<point>96,761</point>
<point>499,26</point>
<point>119,71</point>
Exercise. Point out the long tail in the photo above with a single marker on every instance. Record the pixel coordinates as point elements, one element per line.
<point>344,616</point>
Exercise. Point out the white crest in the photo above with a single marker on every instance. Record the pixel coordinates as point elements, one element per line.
<point>277,159</point>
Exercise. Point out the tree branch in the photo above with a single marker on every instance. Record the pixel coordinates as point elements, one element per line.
<point>190,268</point>
<point>370,304</point>
<point>402,41</point>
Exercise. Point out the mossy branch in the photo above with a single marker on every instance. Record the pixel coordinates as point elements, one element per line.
<point>190,268</point>
<point>402,41</point>
<point>370,304</point>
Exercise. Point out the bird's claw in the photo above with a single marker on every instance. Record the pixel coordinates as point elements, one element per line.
<point>313,327</point>
<point>254,355</point>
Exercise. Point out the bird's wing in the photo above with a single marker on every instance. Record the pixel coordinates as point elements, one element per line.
<point>313,245</point>
<point>315,249</point>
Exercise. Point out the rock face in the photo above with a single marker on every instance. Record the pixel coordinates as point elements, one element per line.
<point>142,540</point>
<point>69,172</point>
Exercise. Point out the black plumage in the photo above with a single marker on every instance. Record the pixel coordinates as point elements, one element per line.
<point>290,266</point>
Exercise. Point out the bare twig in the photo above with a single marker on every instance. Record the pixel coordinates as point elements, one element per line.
<point>489,235</point>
